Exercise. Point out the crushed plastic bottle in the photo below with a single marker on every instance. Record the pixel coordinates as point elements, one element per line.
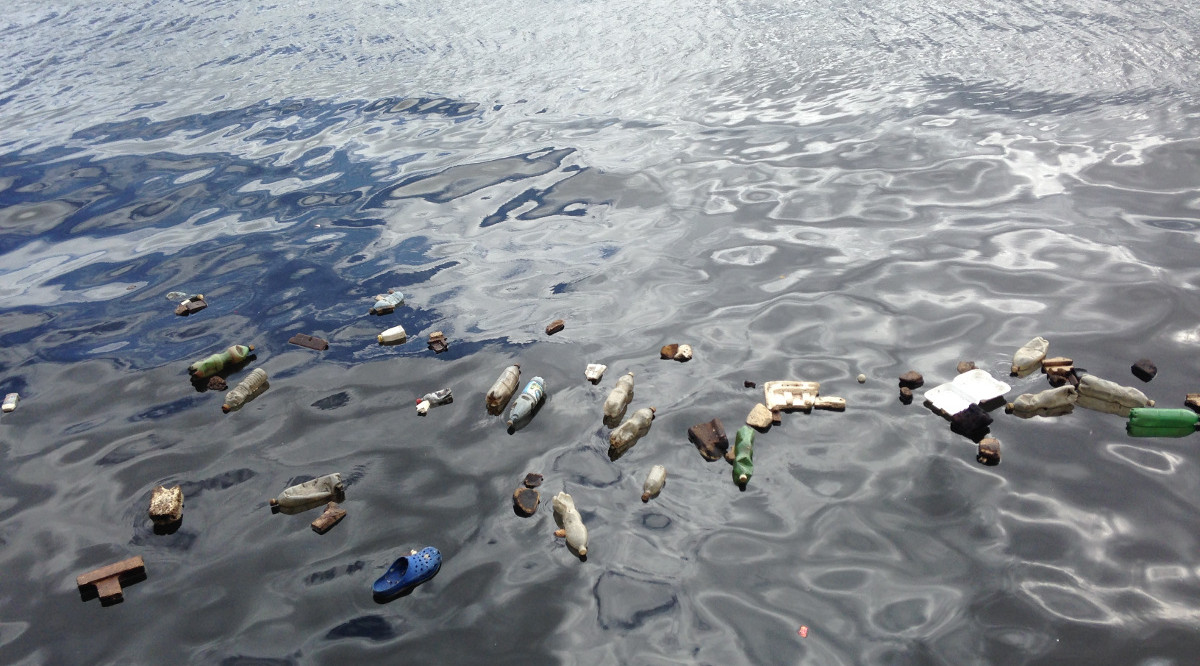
<point>531,397</point>
<point>501,392</point>
<point>628,433</point>
<point>654,482</point>
<point>618,400</point>
<point>10,402</point>
<point>568,518</point>
<point>1109,397</point>
<point>385,303</point>
<point>248,389</point>
<point>217,362</point>
<point>1054,402</point>
<point>395,335</point>
<point>311,494</point>
<point>1029,356</point>
<point>743,455</point>
<point>1150,422</point>
<point>434,399</point>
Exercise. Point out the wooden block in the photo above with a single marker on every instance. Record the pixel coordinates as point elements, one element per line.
<point>555,326</point>
<point>1057,361</point>
<point>710,439</point>
<point>310,341</point>
<point>107,580</point>
<point>332,516</point>
<point>1192,400</point>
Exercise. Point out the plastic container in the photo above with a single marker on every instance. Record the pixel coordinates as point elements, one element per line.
<point>1109,397</point>
<point>311,494</point>
<point>217,362</point>
<point>501,392</point>
<point>530,398</point>
<point>10,402</point>
<point>395,335</point>
<point>789,394</point>
<point>385,303</point>
<point>970,388</point>
<point>743,455</point>
<point>1054,402</point>
<point>571,522</point>
<point>628,433</point>
<point>654,482</point>
<point>248,389</point>
<point>618,400</point>
<point>434,399</point>
<point>1029,355</point>
<point>1150,422</point>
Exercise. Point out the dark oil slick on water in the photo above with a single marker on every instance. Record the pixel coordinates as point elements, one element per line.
<point>798,190</point>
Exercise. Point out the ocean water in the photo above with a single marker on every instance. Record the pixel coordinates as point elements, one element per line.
<point>799,190</point>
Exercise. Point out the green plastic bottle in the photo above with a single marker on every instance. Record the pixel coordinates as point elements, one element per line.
<point>217,362</point>
<point>1152,422</point>
<point>743,455</point>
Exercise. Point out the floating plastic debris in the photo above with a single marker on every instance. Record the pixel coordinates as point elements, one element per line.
<point>407,572</point>
<point>568,518</point>
<point>440,397</point>
<point>107,580</point>
<point>176,296</point>
<point>501,392</point>
<point>1029,356</point>
<point>681,353</point>
<point>594,372</point>
<point>395,335</point>
<point>1053,402</point>
<point>248,389</point>
<point>1150,422</point>
<point>788,394</point>
<point>743,455</point>
<point>862,379</point>
<point>386,303</point>
<point>618,400</point>
<point>1102,395</point>
<point>10,402</point>
<point>166,505</point>
<point>628,433</point>
<point>213,364</point>
<point>654,482</point>
<point>311,494</point>
<point>530,398</point>
<point>971,387</point>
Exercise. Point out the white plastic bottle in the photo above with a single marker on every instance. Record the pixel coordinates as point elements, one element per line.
<point>395,335</point>
<point>654,482</point>
<point>572,523</point>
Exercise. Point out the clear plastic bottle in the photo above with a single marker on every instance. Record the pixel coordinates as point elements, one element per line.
<point>522,409</point>
<point>248,389</point>
<point>217,362</point>
<point>568,518</point>
<point>628,433</point>
<point>311,494</point>
<point>439,397</point>
<point>1029,355</point>
<point>502,391</point>
<point>654,482</point>
<point>618,400</point>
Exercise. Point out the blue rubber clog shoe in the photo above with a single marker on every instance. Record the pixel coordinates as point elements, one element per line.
<point>408,572</point>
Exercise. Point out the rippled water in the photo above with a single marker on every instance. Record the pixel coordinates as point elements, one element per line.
<point>799,190</point>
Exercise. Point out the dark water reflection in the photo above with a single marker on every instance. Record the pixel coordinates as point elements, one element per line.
<point>845,220</point>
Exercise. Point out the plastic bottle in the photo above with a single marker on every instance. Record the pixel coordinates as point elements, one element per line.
<point>628,433</point>
<point>217,362</point>
<point>522,409</point>
<point>654,482</point>
<point>385,303</point>
<point>1150,422</point>
<point>1103,395</point>
<point>1053,402</point>
<point>311,494</point>
<point>571,522</point>
<point>618,400</point>
<point>395,335</point>
<point>743,455</point>
<point>502,391</point>
<point>10,402</point>
<point>1029,355</point>
<point>249,389</point>
<point>439,397</point>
